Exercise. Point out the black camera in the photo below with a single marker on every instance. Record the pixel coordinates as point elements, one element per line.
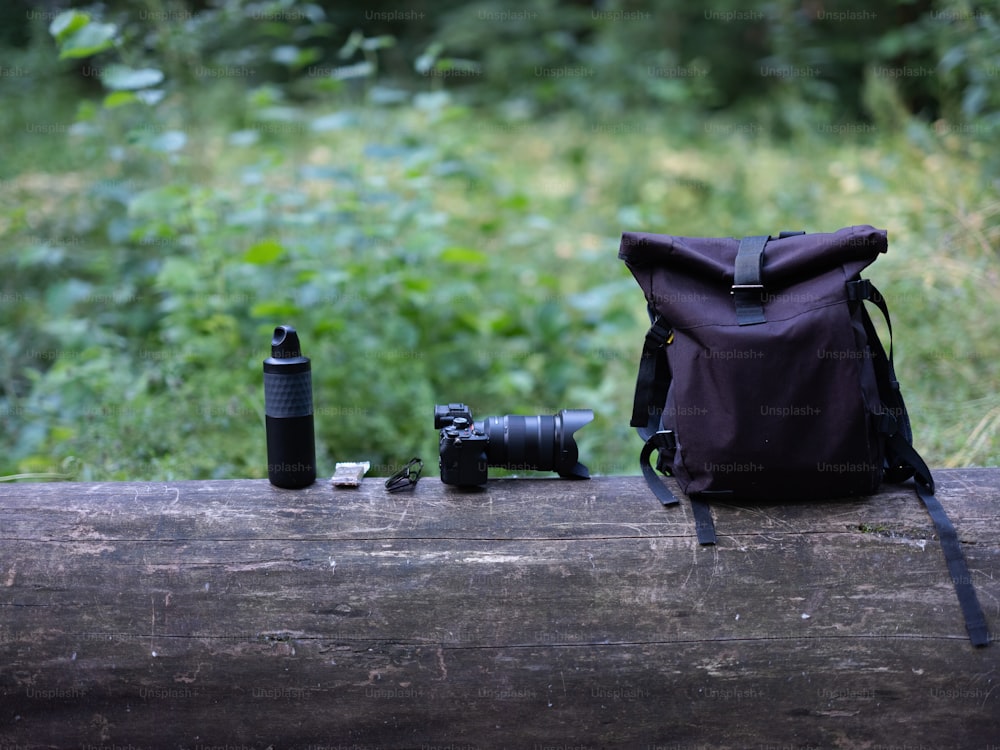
<point>538,443</point>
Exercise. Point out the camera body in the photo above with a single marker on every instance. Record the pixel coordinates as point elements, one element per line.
<point>538,443</point>
<point>464,460</point>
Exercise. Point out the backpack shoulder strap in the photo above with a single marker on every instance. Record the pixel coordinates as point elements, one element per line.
<point>903,461</point>
<point>651,388</point>
<point>654,378</point>
<point>889,392</point>
<point>975,620</point>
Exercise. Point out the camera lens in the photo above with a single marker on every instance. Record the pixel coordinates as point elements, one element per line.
<point>539,443</point>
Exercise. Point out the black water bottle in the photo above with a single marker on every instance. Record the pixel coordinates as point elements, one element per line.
<point>288,412</point>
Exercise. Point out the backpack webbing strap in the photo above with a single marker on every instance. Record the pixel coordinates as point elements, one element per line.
<point>864,289</point>
<point>704,526</point>
<point>975,620</point>
<point>654,378</point>
<point>664,439</point>
<point>748,283</point>
<point>651,388</point>
<point>903,461</point>
<point>896,470</point>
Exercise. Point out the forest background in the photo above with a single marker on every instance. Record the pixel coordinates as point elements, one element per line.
<point>432,193</point>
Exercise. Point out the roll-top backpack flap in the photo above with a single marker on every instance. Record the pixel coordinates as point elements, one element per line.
<point>689,280</point>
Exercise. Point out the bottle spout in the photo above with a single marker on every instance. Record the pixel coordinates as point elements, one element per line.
<point>285,343</point>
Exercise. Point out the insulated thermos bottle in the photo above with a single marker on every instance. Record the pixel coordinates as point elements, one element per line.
<point>288,412</point>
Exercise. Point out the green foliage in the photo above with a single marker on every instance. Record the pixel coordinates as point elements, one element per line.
<point>940,56</point>
<point>80,36</point>
<point>969,49</point>
<point>427,249</point>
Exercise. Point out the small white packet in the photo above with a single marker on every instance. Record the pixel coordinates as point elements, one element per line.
<point>349,474</point>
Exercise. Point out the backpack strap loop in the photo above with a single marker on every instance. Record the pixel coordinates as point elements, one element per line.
<point>748,283</point>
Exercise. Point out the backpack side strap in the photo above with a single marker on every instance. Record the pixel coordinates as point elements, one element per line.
<point>903,461</point>
<point>651,388</point>
<point>975,620</point>
<point>704,526</point>
<point>896,469</point>
<point>661,440</point>
<point>654,378</point>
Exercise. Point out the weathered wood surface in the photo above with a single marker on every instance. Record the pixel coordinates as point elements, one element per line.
<point>537,613</point>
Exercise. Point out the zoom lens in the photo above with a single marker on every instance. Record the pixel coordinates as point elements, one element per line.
<point>539,443</point>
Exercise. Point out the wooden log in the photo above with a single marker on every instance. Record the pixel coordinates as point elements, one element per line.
<point>537,613</point>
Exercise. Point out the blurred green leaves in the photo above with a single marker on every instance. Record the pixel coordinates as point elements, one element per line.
<point>124,78</point>
<point>79,36</point>
<point>264,253</point>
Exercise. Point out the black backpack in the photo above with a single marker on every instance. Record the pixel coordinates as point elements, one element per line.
<point>763,378</point>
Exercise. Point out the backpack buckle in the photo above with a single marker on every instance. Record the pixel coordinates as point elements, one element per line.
<point>859,290</point>
<point>664,440</point>
<point>658,335</point>
<point>887,424</point>
<point>746,288</point>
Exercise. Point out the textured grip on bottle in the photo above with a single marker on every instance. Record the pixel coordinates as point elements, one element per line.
<point>288,395</point>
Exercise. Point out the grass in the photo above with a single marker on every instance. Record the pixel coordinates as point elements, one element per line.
<point>432,253</point>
